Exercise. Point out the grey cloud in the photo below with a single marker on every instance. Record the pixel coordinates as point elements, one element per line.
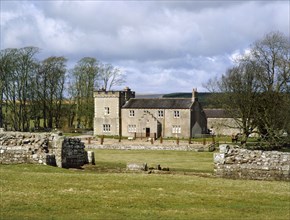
<point>174,75</point>
<point>176,43</point>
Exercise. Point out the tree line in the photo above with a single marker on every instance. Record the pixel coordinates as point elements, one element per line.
<point>256,90</point>
<point>45,94</point>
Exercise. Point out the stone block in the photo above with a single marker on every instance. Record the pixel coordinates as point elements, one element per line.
<point>91,157</point>
<point>219,158</point>
<point>137,167</point>
<point>286,167</point>
<point>224,148</point>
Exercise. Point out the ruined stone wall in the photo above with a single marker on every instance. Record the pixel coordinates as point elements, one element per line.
<point>69,152</point>
<point>40,148</point>
<point>16,147</point>
<point>238,163</point>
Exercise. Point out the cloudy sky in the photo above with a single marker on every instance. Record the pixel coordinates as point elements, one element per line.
<point>161,46</point>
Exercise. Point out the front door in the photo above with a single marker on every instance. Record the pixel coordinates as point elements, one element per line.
<point>147,132</point>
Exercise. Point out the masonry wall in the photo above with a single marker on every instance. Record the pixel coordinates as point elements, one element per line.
<point>198,121</point>
<point>223,126</point>
<point>148,118</point>
<point>112,100</point>
<point>69,152</point>
<point>238,163</point>
<point>16,147</point>
<point>183,121</point>
<point>109,100</point>
<point>142,119</point>
<point>48,149</point>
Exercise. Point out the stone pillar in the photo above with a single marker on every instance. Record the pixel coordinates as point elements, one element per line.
<point>91,157</point>
<point>57,143</point>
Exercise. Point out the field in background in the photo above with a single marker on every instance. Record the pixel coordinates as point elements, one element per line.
<point>108,191</point>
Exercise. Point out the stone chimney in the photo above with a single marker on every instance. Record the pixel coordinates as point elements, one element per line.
<point>128,93</point>
<point>194,95</point>
<point>127,89</point>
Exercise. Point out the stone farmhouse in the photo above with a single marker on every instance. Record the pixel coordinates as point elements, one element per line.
<point>119,113</point>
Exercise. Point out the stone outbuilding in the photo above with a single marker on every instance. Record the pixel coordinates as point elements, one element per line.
<point>220,123</point>
<point>119,113</point>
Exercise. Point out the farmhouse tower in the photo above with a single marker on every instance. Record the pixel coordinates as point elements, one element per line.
<point>107,114</point>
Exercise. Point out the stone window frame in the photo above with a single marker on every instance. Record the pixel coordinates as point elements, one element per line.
<point>107,111</point>
<point>160,113</point>
<point>176,114</point>
<point>131,113</point>
<point>132,128</point>
<point>106,128</point>
<point>176,129</point>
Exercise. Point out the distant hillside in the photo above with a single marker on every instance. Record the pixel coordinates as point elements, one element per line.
<point>205,98</point>
<point>149,96</point>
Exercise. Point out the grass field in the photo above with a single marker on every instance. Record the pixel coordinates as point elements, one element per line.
<point>107,191</point>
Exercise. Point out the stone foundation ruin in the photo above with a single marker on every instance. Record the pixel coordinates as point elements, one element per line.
<point>42,148</point>
<point>236,163</point>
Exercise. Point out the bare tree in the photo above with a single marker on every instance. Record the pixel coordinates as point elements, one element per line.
<point>237,92</point>
<point>6,70</point>
<point>84,82</point>
<point>50,87</point>
<point>273,56</point>
<point>256,90</point>
<point>18,67</point>
<point>110,76</point>
<point>272,53</point>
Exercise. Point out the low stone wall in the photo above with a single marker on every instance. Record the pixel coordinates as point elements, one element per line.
<point>236,163</point>
<point>199,148</point>
<point>49,149</point>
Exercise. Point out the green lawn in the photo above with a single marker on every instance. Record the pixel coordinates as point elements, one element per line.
<point>176,161</point>
<point>107,191</point>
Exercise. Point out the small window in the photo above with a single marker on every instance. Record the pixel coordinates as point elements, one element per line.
<point>107,110</point>
<point>106,127</point>
<point>131,113</point>
<point>176,129</point>
<point>160,113</point>
<point>131,128</point>
<point>176,114</point>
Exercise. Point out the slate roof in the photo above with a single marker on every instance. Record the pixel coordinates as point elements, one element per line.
<point>216,113</point>
<point>161,103</point>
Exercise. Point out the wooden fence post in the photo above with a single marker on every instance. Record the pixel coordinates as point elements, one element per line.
<point>213,139</point>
